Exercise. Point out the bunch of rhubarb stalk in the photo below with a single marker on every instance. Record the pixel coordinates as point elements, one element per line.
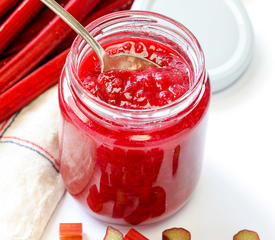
<point>73,231</point>
<point>34,44</point>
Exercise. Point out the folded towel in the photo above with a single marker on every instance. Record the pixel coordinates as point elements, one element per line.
<point>30,184</point>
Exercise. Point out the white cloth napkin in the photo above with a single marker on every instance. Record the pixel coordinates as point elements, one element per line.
<point>30,184</point>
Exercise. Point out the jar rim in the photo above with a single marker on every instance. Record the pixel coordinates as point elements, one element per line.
<point>96,103</point>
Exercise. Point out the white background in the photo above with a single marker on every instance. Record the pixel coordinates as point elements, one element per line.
<point>237,186</point>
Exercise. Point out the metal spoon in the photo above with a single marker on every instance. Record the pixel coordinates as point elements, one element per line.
<point>123,61</point>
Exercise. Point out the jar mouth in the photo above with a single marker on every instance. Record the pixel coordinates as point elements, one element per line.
<point>97,29</point>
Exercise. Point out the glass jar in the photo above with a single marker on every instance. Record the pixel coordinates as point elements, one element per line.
<point>126,165</point>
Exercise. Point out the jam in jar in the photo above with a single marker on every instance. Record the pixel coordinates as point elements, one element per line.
<point>131,141</point>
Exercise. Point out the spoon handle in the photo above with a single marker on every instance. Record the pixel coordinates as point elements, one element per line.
<point>77,27</point>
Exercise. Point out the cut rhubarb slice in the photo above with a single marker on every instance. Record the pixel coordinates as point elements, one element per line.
<point>70,231</point>
<point>143,210</point>
<point>113,234</point>
<point>176,234</point>
<point>134,235</point>
<point>94,199</point>
<point>246,235</point>
<point>158,201</point>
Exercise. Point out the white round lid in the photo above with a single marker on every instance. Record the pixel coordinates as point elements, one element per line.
<point>223,29</point>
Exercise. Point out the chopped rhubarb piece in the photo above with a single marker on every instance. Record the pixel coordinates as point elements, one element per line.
<point>107,192</point>
<point>176,160</point>
<point>123,201</point>
<point>120,202</point>
<point>118,210</point>
<point>138,216</point>
<point>113,234</point>
<point>246,235</point>
<point>134,235</point>
<point>70,231</point>
<point>42,45</point>
<point>31,86</point>
<point>143,210</point>
<point>17,20</point>
<point>104,153</point>
<point>158,201</point>
<point>153,163</point>
<point>94,199</point>
<point>176,234</point>
<point>6,5</point>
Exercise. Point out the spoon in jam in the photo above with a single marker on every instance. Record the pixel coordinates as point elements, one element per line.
<point>123,61</point>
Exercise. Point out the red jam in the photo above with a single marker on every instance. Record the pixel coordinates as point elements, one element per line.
<point>141,89</point>
<point>125,174</point>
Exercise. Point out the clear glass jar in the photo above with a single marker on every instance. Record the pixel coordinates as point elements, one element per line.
<point>133,166</point>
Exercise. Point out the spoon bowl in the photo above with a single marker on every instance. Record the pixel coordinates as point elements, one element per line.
<point>121,61</point>
<point>125,61</point>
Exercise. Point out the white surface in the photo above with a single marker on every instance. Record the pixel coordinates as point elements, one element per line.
<point>237,186</point>
<point>225,35</point>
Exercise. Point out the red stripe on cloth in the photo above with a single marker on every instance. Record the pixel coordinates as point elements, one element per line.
<point>33,144</point>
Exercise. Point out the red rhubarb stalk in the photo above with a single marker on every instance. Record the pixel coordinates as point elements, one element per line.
<point>6,5</point>
<point>17,20</point>
<point>31,86</point>
<point>103,8</point>
<point>36,25</point>
<point>42,44</point>
<point>5,60</point>
<point>108,6</point>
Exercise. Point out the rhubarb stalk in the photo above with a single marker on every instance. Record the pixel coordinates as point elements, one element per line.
<point>6,5</point>
<point>108,6</point>
<point>17,20</point>
<point>36,25</point>
<point>103,8</point>
<point>5,60</point>
<point>42,44</point>
<point>31,86</point>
